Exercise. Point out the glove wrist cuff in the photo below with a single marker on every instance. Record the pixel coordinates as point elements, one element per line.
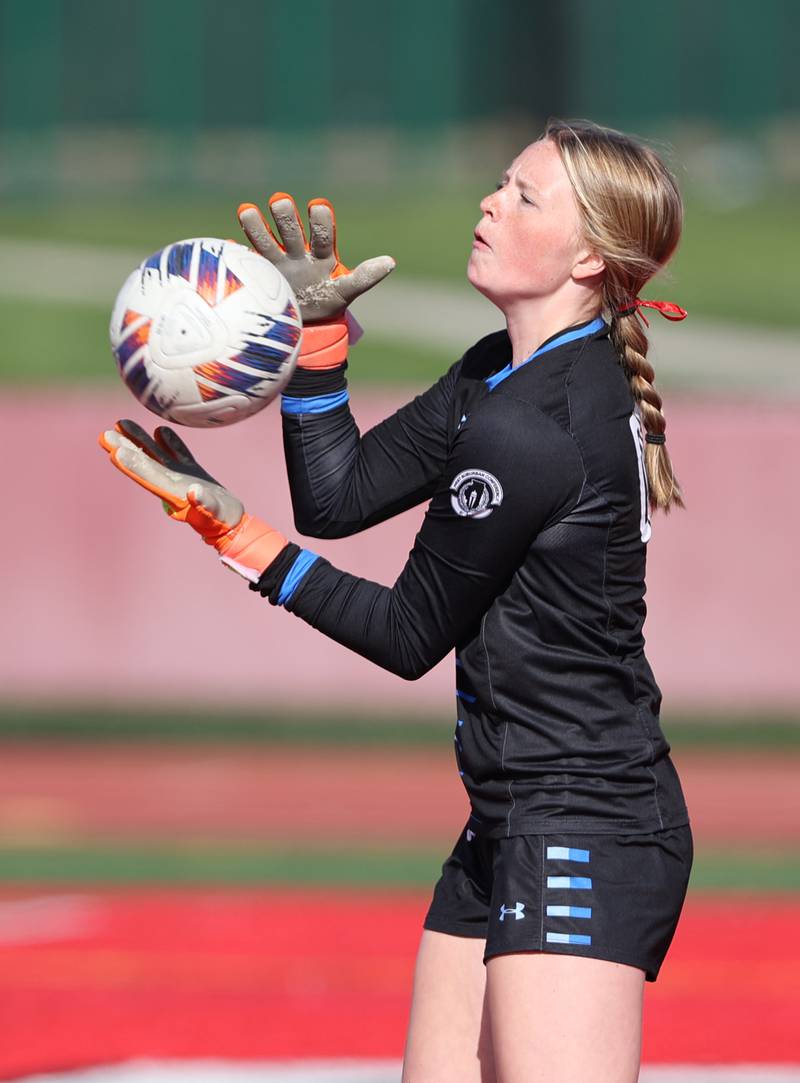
<point>324,345</point>
<point>250,547</point>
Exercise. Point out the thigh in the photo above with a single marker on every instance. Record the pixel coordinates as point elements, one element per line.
<point>564,1019</point>
<point>449,1040</point>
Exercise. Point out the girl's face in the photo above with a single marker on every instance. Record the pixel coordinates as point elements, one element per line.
<point>528,243</point>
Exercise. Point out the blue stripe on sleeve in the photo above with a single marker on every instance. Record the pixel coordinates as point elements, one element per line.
<point>302,562</point>
<point>314,404</point>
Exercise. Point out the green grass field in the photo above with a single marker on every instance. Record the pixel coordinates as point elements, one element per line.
<point>731,266</point>
<point>97,724</point>
<point>82,352</point>
<point>328,865</point>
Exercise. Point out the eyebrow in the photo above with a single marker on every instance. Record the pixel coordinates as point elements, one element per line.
<point>522,183</point>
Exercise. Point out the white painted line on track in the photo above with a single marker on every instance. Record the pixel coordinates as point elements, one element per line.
<point>222,1071</point>
<point>360,1071</point>
<point>739,1073</point>
<point>46,918</point>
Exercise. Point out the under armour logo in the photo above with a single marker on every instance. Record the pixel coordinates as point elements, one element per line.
<point>518,911</point>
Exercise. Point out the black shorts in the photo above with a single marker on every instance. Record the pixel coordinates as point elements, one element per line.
<point>615,897</point>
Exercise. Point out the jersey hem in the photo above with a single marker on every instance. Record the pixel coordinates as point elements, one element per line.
<point>588,825</point>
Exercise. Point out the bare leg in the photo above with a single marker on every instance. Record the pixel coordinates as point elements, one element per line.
<point>564,1019</point>
<point>448,1036</point>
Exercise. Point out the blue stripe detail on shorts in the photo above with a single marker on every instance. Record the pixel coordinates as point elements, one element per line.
<point>569,911</point>
<point>583,883</point>
<point>313,404</point>
<point>302,562</point>
<point>566,853</point>
<point>568,938</point>
<point>465,695</point>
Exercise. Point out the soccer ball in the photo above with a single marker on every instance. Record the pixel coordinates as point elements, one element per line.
<point>205,332</point>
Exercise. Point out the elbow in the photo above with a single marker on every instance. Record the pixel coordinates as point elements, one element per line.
<point>307,528</point>
<point>411,669</point>
<point>410,672</point>
<point>409,655</point>
<point>323,528</point>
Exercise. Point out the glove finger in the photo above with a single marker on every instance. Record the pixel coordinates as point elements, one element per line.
<point>287,220</point>
<point>364,277</point>
<point>109,440</point>
<point>178,455</point>
<point>154,477</point>
<point>168,440</point>
<point>141,438</point>
<point>258,233</point>
<point>322,225</point>
<point>203,497</point>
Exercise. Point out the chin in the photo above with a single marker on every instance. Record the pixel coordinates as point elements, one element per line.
<point>478,282</point>
<point>474,276</point>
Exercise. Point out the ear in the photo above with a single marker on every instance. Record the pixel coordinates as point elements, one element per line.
<point>588,265</point>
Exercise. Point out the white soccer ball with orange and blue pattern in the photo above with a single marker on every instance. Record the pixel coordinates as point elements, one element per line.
<point>205,332</point>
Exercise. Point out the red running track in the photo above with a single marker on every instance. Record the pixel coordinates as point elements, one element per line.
<point>67,792</point>
<point>105,976</point>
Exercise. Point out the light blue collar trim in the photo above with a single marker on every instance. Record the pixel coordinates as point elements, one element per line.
<point>568,336</point>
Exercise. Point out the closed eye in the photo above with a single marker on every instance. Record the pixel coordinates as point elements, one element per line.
<point>526,200</point>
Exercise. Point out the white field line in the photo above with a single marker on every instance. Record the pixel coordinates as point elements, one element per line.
<point>209,1071</point>
<point>696,355</point>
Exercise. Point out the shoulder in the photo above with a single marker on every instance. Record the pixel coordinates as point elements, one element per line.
<point>596,377</point>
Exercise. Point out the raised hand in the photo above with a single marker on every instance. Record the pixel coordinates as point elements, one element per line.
<point>323,285</point>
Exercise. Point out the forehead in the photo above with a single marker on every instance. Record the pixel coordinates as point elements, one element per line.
<point>540,165</point>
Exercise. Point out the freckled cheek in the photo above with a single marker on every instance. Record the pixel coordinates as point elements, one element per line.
<point>542,258</point>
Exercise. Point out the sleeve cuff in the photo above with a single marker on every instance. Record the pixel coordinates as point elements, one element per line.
<point>281,580</point>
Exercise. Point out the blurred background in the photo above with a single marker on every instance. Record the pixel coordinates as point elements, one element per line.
<point>218,831</point>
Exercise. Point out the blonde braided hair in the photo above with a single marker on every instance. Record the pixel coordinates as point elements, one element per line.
<point>632,216</point>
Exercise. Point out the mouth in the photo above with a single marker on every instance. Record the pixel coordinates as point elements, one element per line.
<point>479,242</point>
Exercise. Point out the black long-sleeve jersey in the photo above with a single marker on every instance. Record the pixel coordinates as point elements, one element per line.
<point>530,562</point>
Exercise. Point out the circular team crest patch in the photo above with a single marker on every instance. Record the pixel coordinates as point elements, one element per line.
<point>475,494</point>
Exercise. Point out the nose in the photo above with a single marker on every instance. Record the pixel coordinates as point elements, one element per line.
<point>488,204</point>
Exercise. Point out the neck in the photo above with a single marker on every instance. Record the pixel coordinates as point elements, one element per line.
<point>531,322</point>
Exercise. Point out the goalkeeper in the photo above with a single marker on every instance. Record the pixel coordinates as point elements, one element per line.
<point>541,454</point>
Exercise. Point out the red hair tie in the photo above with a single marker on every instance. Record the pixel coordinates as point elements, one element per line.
<point>668,310</point>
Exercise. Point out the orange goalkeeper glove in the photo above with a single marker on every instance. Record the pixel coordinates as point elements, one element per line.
<point>322,284</point>
<point>164,465</point>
